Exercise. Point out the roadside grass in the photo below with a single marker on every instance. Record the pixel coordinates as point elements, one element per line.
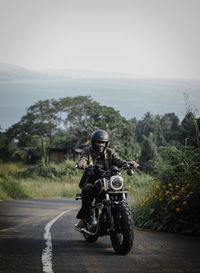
<point>141,185</point>
<point>46,188</point>
<point>8,169</point>
<point>55,180</point>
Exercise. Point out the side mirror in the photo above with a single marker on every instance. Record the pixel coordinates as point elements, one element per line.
<point>130,172</point>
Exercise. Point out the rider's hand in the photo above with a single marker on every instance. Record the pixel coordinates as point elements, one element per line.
<point>82,165</point>
<point>134,164</point>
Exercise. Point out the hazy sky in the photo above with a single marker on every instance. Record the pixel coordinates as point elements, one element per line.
<point>159,38</point>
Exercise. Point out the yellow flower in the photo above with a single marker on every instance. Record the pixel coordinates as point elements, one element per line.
<point>170,184</point>
<point>167,192</point>
<point>185,203</point>
<point>147,199</point>
<point>173,197</point>
<point>190,192</point>
<point>164,187</point>
<point>177,186</point>
<point>178,209</point>
<point>182,189</point>
<point>157,187</point>
<point>161,199</point>
<point>177,197</point>
<point>188,185</point>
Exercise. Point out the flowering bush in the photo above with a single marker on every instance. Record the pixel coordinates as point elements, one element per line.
<point>173,203</point>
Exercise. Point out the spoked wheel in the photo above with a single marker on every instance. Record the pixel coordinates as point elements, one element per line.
<point>122,238</point>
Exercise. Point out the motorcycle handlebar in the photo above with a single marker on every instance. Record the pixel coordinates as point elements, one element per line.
<point>90,167</point>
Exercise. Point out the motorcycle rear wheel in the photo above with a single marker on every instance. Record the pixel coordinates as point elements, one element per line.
<point>122,238</point>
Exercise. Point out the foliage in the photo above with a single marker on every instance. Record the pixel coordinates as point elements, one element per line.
<point>190,130</point>
<point>11,169</point>
<point>173,202</point>
<point>51,171</point>
<point>69,122</point>
<point>150,157</point>
<point>54,180</point>
<point>167,149</point>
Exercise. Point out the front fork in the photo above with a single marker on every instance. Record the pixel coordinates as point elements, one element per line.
<point>108,207</point>
<point>108,201</point>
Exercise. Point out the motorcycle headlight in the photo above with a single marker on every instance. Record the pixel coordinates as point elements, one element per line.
<point>116,182</point>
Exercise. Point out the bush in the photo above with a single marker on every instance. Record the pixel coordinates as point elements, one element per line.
<point>173,203</point>
<point>11,189</point>
<point>11,169</point>
<point>51,171</point>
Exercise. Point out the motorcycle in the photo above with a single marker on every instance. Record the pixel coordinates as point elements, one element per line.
<point>110,213</point>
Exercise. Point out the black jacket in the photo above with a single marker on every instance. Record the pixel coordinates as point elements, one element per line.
<point>89,157</point>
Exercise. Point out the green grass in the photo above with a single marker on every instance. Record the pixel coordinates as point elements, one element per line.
<point>55,180</point>
<point>47,188</point>
<point>141,185</point>
<point>11,169</point>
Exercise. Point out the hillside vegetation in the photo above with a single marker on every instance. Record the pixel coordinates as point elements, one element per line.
<point>165,191</point>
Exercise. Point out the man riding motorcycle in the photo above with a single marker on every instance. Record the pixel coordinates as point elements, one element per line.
<point>97,154</point>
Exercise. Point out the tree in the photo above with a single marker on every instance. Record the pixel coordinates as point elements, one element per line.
<point>68,123</point>
<point>150,127</point>
<point>149,158</point>
<point>4,149</point>
<point>171,128</point>
<point>190,130</point>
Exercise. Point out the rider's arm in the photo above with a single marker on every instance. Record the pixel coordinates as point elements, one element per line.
<point>117,161</point>
<point>84,159</point>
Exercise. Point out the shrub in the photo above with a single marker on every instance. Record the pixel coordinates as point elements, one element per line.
<point>52,171</point>
<point>11,189</point>
<point>173,202</point>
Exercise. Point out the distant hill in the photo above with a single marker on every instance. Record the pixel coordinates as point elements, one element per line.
<point>9,72</point>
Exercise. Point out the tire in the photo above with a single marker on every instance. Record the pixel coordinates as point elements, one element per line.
<point>90,238</point>
<point>122,238</point>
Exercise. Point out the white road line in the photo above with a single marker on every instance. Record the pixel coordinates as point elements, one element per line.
<point>47,265</point>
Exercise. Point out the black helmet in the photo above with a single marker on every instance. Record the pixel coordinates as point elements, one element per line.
<point>99,135</point>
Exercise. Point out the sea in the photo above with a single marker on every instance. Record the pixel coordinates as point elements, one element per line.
<point>133,97</point>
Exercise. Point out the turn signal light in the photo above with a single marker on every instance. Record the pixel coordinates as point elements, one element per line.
<point>104,188</point>
<point>128,188</point>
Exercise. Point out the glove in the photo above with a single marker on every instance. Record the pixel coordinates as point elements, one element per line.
<point>82,165</point>
<point>134,164</point>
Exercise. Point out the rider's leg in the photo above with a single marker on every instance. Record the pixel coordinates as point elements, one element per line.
<point>88,194</point>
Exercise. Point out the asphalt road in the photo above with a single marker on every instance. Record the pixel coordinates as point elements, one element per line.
<point>34,233</point>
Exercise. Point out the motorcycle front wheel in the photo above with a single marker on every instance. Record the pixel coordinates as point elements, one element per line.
<point>122,237</point>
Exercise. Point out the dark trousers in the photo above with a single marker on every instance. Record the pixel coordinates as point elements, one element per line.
<point>88,194</point>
